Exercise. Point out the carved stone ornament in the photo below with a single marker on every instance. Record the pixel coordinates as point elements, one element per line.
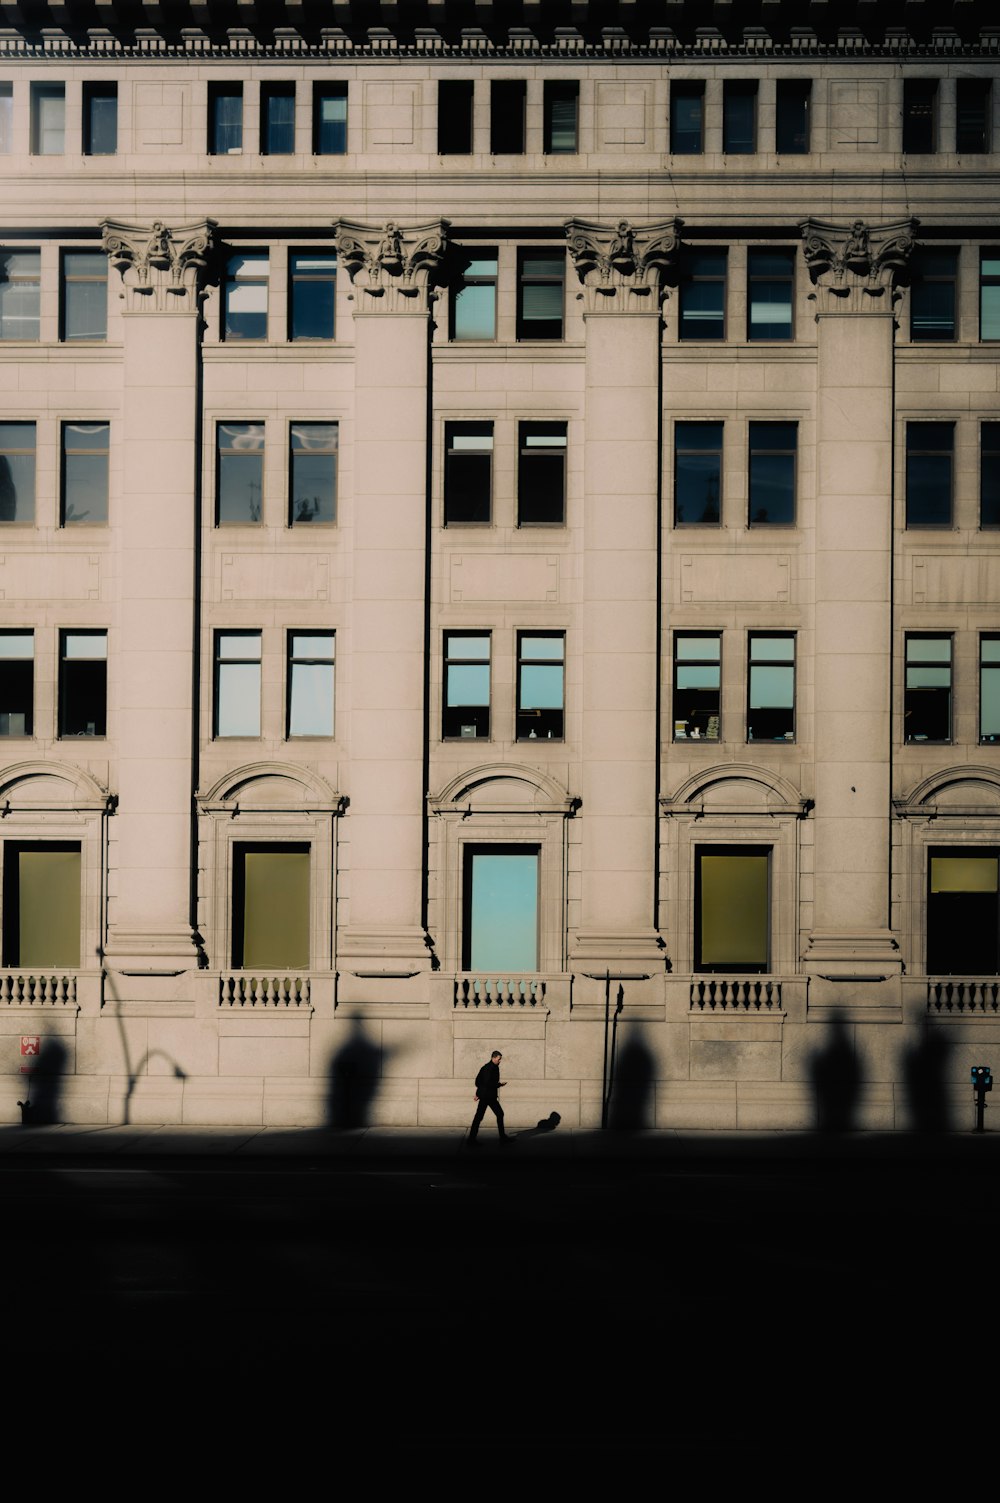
<point>161,269</point>
<point>855,266</point>
<point>623,267</point>
<point>393,268</point>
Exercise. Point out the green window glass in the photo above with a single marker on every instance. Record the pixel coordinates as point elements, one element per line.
<point>271,907</point>
<point>771,687</point>
<point>989,689</point>
<point>474,298</point>
<point>41,905</point>
<point>927,691</point>
<point>732,909</point>
<point>989,295</point>
<point>697,686</point>
<point>963,932</point>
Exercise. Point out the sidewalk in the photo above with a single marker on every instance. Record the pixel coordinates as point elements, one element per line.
<point>567,1144</point>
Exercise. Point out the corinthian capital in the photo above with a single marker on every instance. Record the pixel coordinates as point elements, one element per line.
<point>855,265</point>
<point>622,266</point>
<point>395,269</point>
<point>161,269</point>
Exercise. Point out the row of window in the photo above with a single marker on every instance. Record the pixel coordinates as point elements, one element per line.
<point>507,117</point>
<point>501,907</point>
<point>541,275</point>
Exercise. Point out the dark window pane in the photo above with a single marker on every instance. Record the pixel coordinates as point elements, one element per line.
<point>314,472</point>
<point>560,104</point>
<point>17,689</point>
<point>919,114</point>
<point>541,278</point>
<point>277,126</point>
<point>541,474</point>
<point>240,472</point>
<point>697,687</point>
<point>83,683</point>
<point>507,103</point>
<point>466,710</point>
<point>468,474</point>
<point>963,932</point>
<point>739,118</point>
<point>100,119</point>
<point>791,134</point>
<point>927,689</point>
<point>972,133</point>
<point>929,474</point>
<point>540,687</point>
<point>330,120</point>
<point>771,689</point>
<point>313,281</point>
<point>770,280</point>
<point>455,116</point>
<point>85,473</point>
<point>989,475</point>
<point>703,296</point>
<point>687,116</point>
<point>225,119</point>
<point>17,472</point>
<point>697,473</point>
<point>772,474</point>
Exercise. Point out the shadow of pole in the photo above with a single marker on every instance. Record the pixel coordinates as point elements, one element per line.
<point>134,1072</point>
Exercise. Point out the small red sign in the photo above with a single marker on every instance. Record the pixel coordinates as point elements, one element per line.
<point>30,1043</point>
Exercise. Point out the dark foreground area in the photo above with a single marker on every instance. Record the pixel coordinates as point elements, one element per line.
<point>689,1299</point>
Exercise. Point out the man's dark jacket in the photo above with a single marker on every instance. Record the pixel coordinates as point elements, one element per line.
<point>488,1082</point>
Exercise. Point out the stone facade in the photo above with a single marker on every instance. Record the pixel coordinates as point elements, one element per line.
<point>525,481</point>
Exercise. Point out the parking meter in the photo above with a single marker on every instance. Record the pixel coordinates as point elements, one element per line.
<point>982,1081</point>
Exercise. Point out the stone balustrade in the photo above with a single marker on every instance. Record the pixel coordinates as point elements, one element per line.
<point>474,991</point>
<point>243,990</point>
<point>20,989</point>
<point>737,994</point>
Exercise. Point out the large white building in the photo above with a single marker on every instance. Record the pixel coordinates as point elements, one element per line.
<point>500,515</point>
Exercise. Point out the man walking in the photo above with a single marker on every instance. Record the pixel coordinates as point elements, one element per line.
<point>488,1083</point>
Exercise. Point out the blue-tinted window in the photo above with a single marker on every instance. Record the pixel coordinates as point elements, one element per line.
<point>85,473</point>
<point>929,455</point>
<point>772,474</point>
<point>697,474</point>
<point>330,119</point>
<point>277,119</point>
<point>310,683</point>
<point>466,710</point>
<point>100,119</point>
<point>500,910</point>
<point>312,280</point>
<point>932,295</point>
<point>84,311</point>
<point>771,687</point>
<point>240,473</point>
<point>540,686</point>
<point>83,683</point>
<point>245,310</point>
<point>927,690</point>
<point>237,683</point>
<point>739,117</point>
<point>770,281</point>
<point>703,295</point>
<point>697,686</point>
<point>474,299</point>
<point>313,473</point>
<point>17,472</point>
<point>687,118</point>
<point>225,119</point>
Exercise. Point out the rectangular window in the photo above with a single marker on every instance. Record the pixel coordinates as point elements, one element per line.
<point>703,295</point>
<point>454,117</point>
<point>697,474</point>
<point>310,683</point>
<point>6,118</point>
<point>48,119</point>
<point>245,305</point>
<point>739,116</point>
<point>240,473</point>
<point>920,114</point>
<point>540,685</point>
<point>989,689</point>
<point>83,683</point>
<point>466,714</point>
<point>237,683</point>
<point>560,112</point>
<point>770,285</point>
<point>771,687</point>
<point>697,686</point>
<point>17,683</point>
<point>541,474</point>
<point>329,119</point>
<point>468,473</point>
<point>99,124</point>
<point>771,478</point>
<point>687,119</point>
<point>100,119</point>
<point>989,475</point>
<point>932,295</point>
<point>732,908</point>
<point>989,295</point>
<point>17,472</point>
<point>474,297</point>
<point>313,481</point>
<point>225,119</point>
<point>277,119</point>
<point>927,691</point>
<point>929,452</point>
<point>84,310</point>
<point>791,123</point>
<point>963,913</point>
<point>312,283</point>
<point>41,904</point>
<point>20,294</point>
<point>500,910</point>
<point>271,907</point>
<point>507,105</point>
<point>973,110</point>
<point>85,449</point>
<point>540,279</point>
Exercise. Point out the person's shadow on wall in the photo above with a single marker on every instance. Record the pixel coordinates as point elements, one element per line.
<point>630,1104</point>
<point>355,1073</point>
<point>836,1079</point>
<point>925,1076</point>
<point>42,1104</point>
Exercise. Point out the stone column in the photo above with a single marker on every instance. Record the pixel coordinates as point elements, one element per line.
<point>855,269</point>
<point>621,268</point>
<point>393,271</point>
<point>152,649</point>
